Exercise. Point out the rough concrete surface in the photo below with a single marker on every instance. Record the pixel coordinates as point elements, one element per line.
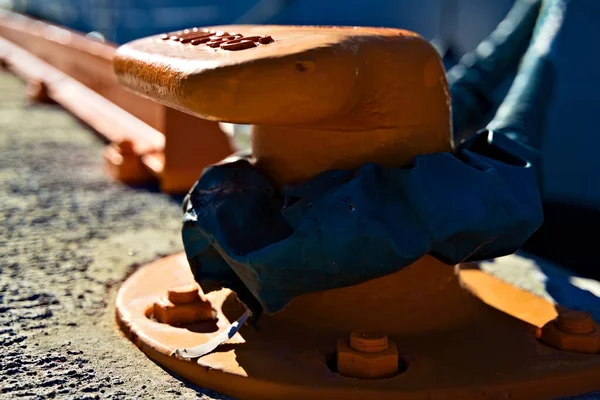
<point>69,237</point>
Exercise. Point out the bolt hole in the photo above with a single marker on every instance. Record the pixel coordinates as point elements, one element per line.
<point>351,207</point>
<point>404,362</point>
<point>331,361</point>
<point>150,315</point>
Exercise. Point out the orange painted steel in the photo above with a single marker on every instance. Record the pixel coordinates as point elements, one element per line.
<point>302,88</point>
<point>323,98</point>
<point>573,331</point>
<point>77,72</point>
<point>367,355</point>
<point>454,344</point>
<point>183,305</point>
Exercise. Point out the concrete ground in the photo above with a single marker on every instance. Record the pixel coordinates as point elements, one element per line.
<point>70,236</point>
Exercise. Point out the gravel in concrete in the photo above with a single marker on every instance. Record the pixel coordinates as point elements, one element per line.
<point>69,236</point>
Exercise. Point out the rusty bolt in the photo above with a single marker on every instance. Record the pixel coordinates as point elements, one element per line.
<point>183,294</point>
<point>369,341</point>
<point>182,305</point>
<point>367,355</point>
<point>573,331</point>
<point>575,322</point>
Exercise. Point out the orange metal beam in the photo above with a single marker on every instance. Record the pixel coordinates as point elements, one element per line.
<point>78,74</point>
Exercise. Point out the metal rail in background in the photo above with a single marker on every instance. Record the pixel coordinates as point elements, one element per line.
<point>147,140</point>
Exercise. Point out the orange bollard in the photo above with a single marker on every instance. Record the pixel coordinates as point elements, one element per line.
<point>321,98</point>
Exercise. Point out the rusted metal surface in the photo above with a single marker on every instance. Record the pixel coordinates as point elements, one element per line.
<point>77,72</point>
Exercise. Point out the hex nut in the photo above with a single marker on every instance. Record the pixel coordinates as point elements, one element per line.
<point>374,361</point>
<point>183,294</point>
<point>554,336</point>
<point>367,341</point>
<point>183,305</point>
<point>575,322</point>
